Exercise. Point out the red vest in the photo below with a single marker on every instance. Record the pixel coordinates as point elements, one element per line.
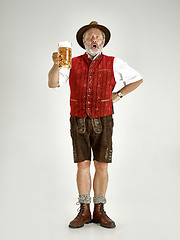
<point>91,85</point>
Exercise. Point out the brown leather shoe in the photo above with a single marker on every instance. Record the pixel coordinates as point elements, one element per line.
<point>84,216</point>
<point>100,216</point>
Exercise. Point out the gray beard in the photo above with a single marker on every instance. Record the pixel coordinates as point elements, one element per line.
<point>91,52</point>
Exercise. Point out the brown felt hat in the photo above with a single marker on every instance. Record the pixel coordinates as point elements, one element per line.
<point>93,24</point>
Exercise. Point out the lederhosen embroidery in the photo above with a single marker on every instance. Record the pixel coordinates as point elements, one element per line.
<point>108,155</point>
<point>97,126</point>
<point>81,125</point>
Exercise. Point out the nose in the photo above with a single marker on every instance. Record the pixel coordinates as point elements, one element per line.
<point>93,38</point>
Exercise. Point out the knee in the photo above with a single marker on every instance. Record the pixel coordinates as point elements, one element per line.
<point>101,166</point>
<point>85,165</point>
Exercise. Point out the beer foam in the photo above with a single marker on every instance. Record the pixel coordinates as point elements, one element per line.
<point>64,44</point>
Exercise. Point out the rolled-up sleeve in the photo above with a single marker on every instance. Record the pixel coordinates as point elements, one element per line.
<point>63,75</point>
<point>124,73</point>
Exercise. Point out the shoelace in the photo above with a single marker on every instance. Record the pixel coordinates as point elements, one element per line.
<point>103,211</point>
<point>80,208</point>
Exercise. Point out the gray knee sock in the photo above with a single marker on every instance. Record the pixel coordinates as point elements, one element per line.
<point>99,199</point>
<point>85,198</point>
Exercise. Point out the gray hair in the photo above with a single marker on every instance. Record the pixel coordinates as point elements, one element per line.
<point>104,36</point>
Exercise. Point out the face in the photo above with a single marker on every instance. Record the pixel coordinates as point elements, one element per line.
<point>93,41</point>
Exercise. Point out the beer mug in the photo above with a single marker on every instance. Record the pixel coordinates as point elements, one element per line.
<point>65,54</point>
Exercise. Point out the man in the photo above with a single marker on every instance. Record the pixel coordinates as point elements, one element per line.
<point>92,78</point>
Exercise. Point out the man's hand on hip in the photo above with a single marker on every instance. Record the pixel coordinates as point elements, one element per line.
<point>115,97</point>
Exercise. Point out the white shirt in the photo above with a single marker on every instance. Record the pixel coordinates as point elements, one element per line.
<point>123,73</point>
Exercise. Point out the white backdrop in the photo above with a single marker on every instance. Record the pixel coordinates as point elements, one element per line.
<point>37,174</point>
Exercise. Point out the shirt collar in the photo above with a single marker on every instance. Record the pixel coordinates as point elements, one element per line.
<point>97,55</point>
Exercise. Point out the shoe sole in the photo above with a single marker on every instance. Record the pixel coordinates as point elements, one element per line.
<point>81,225</point>
<point>103,225</point>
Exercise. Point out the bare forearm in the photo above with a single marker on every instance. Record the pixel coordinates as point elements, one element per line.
<point>125,90</point>
<point>53,77</point>
<point>130,87</point>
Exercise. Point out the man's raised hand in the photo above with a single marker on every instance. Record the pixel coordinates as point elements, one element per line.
<point>55,57</point>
